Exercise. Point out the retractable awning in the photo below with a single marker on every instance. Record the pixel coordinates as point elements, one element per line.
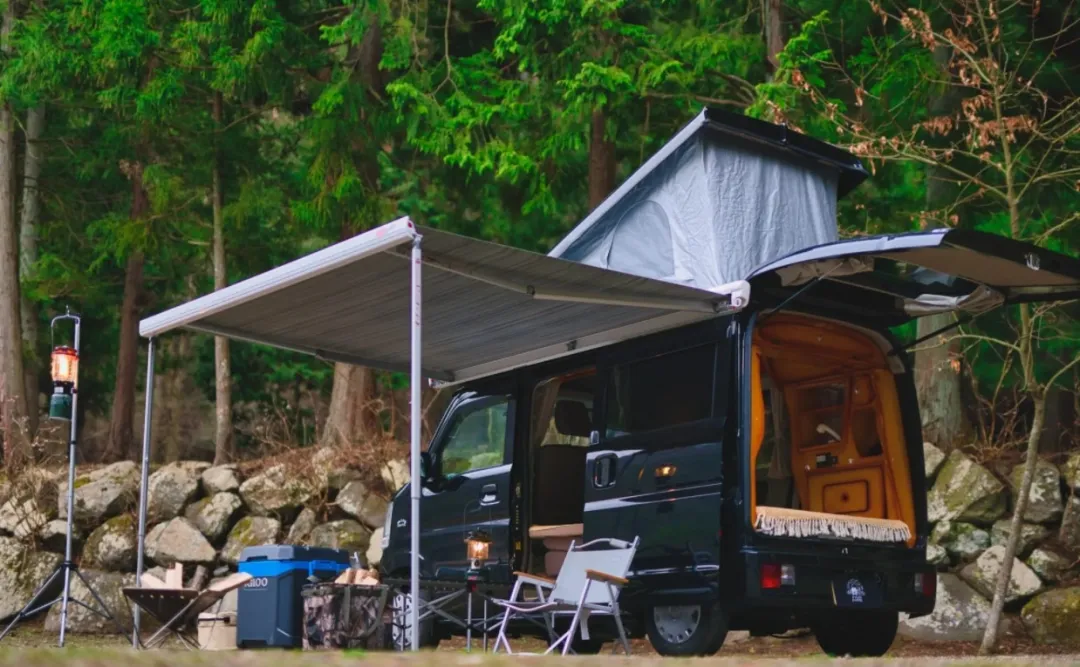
<point>487,308</point>
<point>479,309</point>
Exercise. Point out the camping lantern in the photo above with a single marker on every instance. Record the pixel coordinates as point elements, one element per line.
<point>65,377</point>
<point>478,546</point>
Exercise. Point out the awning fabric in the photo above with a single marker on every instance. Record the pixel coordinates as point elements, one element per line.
<point>486,307</point>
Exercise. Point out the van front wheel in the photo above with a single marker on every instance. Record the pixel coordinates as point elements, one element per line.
<point>862,634</point>
<point>686,630</point>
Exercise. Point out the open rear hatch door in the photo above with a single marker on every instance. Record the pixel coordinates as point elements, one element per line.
<point>889,280</point>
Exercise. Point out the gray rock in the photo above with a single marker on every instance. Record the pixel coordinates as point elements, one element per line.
<point>1044,500</point>
<point>171,488</point>
<point>963,541</point>
<point>251,531</point>
<point>22,572</point>
<point>276,493</point>
<point>937,555</point>
<point>53,535</point>
<point>933,457</point>
<point>960,614</point>
<point>1071,472</point>
<point>112,546</point>
<point>1069,533</point>
<point>214,516</point>
<point>965,491</point>
<point>1054,617</point>
<point>375,551</point>
<point>359,502</point>
<point>330,472</point>
<point>102,494</point>
<point>109,585</point>
<point>395,474</point>
<point>30,505</point>
<point>178,541</point>
<point>1050,566</point>
<point>344,534</point>
<point>1031,534</point>
<point>982,576</point>
<point>300,531</point>
<point>221,479</point>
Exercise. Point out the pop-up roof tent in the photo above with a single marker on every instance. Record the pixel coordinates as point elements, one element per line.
<point>726,195</point>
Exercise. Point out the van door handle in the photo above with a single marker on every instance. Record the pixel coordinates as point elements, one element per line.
<point>489,494</point>
<point>603,474</point>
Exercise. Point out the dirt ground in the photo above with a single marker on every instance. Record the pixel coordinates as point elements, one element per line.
<point>31,645</point>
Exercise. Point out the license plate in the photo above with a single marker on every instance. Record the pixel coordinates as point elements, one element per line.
<point>855,590</point>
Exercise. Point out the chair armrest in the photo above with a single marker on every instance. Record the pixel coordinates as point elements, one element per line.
<point>596,575</point>
<point>535,579</point>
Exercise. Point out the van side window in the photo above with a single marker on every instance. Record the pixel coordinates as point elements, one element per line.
<point>661,392</point>
<point>476,438</point>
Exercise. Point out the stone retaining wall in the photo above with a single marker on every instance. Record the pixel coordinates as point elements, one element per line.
<point>197,515</point>
<point>970,507</point>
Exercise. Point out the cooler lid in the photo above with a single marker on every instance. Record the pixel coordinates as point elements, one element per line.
<point>293,552</point>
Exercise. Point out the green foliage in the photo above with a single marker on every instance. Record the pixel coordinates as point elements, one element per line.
<point>475,117</point>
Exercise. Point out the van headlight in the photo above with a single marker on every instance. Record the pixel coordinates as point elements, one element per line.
<point>386,525</point>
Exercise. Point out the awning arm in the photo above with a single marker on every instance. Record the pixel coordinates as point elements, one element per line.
<point>477,273</point>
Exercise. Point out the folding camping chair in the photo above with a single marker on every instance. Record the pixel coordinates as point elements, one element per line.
<point>589,582</point>
<point>177,608</point>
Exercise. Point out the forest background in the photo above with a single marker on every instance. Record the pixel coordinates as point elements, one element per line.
<point>155,150</point>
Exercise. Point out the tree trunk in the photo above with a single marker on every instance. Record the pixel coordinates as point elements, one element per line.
<point>223,372</point>
<point>939,361</point>
<point>121,442</point>
<point>938,364</point>
<point>28,255</point>
<point>601,161</point>
<point>13,387</point>
<point>990,637</point>
<point>774,30</point>
<point>353,415</point>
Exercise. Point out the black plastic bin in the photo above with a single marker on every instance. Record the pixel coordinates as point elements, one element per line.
<point>269,607</point>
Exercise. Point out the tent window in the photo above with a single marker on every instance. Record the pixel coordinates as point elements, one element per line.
<point>661,392</point>
<point>477,438</point>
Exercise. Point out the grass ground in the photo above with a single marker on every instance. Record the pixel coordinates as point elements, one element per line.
<point>29,645</point>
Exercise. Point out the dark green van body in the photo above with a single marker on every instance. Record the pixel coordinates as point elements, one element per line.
<point>697,545</point>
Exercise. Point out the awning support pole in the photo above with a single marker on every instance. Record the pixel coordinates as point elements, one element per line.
<point>148,412</point>
<point>414,443</point>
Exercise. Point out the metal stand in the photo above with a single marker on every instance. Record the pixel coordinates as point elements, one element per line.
<point>68,566</point>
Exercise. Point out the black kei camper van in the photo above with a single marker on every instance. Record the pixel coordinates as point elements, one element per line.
<point>770,461</point>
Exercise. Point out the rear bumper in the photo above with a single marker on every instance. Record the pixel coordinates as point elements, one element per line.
<point>816,575</point>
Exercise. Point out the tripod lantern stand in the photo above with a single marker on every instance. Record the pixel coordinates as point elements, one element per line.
<point>63,405</point>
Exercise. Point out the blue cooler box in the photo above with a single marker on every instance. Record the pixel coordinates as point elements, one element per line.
<point>269,607</point>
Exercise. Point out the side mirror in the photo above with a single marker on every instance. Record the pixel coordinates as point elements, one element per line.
<point>426,467</point>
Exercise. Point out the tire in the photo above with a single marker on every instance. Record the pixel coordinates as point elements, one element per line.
<point>862,634</point>
<point>401,637</point>
<point>687,630</point>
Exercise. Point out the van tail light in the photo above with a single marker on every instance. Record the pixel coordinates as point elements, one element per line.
<point>926,584</point>
<point>775,575</point>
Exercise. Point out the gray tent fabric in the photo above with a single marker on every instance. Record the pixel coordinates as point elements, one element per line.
<point>709,208</point>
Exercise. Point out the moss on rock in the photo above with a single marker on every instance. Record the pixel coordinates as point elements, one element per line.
<point>1054,617</point>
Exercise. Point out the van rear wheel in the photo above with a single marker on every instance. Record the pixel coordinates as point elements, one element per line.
<point>686,630</point>
<point>861,634</point>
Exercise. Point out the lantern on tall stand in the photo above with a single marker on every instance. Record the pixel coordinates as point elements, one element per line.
<point>63,406</point>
